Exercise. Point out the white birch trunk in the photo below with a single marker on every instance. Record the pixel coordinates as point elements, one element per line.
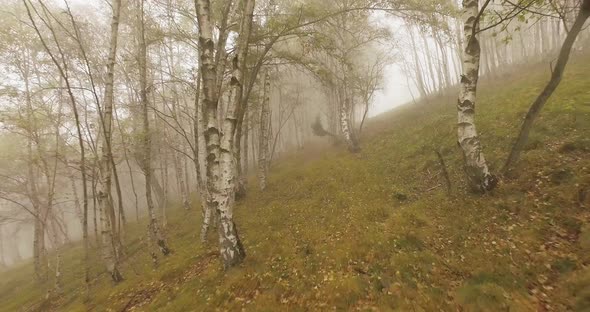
<point>105,199</point>
<point>478,174</point>
<point>221,169</point>
<point>346,128</point>
<point>201,159</point>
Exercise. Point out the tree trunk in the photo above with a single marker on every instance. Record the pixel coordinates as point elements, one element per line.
<point>180,178</point>
<point>221,171</point>
<point>187,180</point>
<point>131,179</point>
<point>418,69</point>
<point>477,171</point>
<point>154,233</point>
<point>79,212</point>
<point>445,60</point>
<point>58,287</point>
<point>345,119</point>
<point>553,83</point>
<point>163,205</point>
<point>435,84</point>
<point>38,226</point>
<point>263,137</point>
<point>122,221</point>
<point>94,206</point>
<point>246,161</point>
<point>200,150</point>
<point>63,72</point>
<point>104,195</point>
<point>232,251</point>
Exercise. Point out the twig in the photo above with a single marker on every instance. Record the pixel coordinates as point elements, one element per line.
<point>445,172</point>
<point>433,188</point>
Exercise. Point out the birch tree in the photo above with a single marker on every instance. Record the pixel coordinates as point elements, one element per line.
<point>105,198</point>
<point>476,168</point>
<point>58,59</point>
<point>221,170</point>
<point>155,235</point>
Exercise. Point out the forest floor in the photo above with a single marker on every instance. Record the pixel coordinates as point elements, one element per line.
<point>378,230</point>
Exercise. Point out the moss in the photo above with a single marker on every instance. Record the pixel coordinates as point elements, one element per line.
<point>564,265</point>
<point>577,145</point>
<point>483,297</point>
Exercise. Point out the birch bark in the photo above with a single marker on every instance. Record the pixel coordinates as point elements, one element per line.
<point>477,171</point>
<point>221,167</point>
<point>104,196</point>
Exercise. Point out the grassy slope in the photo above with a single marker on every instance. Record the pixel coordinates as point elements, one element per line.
<point>374,231</point>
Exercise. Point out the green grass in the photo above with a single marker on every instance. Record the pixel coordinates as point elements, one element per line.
<point>378,230</point>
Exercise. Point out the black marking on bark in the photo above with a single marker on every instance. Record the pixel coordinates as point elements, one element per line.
<point>466,105</point>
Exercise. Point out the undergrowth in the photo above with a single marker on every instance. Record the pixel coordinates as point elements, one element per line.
<point>378,230</point>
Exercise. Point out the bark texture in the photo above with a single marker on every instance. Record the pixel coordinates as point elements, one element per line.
<point>479,177</point>
<point>221,168</point>
<point>346,127</point>
<point>104,196</point>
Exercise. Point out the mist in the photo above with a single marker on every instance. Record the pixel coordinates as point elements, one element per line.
<point>302,154</point>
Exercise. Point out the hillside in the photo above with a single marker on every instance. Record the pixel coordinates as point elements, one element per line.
<point>378,230</point>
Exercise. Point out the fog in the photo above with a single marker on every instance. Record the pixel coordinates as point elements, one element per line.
<point>119,116</point>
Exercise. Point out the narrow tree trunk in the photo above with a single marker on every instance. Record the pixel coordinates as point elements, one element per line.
<point>39,250</point>
<point>105,199</point>
<point>58,286</point>
<point>263,136</point>
<point>245,151</point>
<point>445,59</point>
<point>38,226</point>
<point>180,177</point>
<point>79,212</point>
<point>553,83</point>
<point>478,174</point>
<point>121,208</point>
<point>165,182</point>
<point>429,62</point>
<point>154,233</point>
<point>131,178</point>
<point>187,181</point>
<point>94,206</point>
<point>200,158</point>
<point>497,53</point>
<point>63,72</point>
<point>419,73</point>
<point>346,126</point>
